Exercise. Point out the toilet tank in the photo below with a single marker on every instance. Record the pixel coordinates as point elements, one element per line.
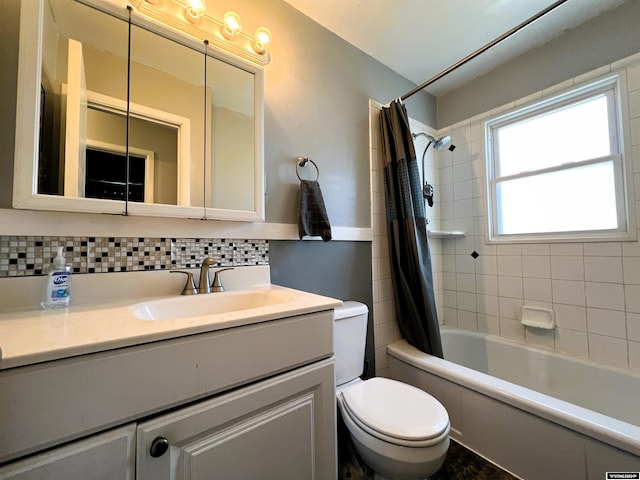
<point>349,339</point>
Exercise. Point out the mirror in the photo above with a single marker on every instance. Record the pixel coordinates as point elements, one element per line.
<point>182,138</point>
<point>166,93</point>
<point>231,183</point>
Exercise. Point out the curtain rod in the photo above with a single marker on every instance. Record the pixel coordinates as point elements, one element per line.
<point>483,49</point>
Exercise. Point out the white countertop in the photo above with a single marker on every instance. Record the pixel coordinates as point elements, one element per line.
<point>35,336</point>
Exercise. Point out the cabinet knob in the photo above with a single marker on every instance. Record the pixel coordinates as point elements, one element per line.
<point>159,446</point>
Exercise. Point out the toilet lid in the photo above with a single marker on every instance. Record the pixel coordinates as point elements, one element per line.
<point>396,410</point>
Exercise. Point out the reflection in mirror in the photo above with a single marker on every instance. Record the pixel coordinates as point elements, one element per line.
<point>230,105</point>
<point>152,156</point>
<point>166,90</point>
<point>71,58</point>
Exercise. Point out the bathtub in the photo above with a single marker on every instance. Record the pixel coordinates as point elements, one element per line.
<point>533,412</point>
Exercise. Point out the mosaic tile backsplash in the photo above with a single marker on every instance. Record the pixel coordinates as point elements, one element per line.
<point>32,255</point>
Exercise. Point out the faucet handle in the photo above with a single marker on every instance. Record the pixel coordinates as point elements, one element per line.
<point>216,286</point>
<point>189,286</point>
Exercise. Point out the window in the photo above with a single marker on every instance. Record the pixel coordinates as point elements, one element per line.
<point>556,169</point>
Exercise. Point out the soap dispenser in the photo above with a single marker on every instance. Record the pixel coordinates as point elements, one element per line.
<point>57,291</point>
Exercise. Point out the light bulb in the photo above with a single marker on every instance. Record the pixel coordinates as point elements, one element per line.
<point>262,38</point>
<point>194,9</point>
<point>231,25</point>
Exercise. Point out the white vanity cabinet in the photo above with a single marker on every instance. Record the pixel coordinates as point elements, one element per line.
<point>255,401</point>
<point>105,456</point>
<point>270,430</point>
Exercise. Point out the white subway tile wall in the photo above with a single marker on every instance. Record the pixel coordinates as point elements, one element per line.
<point>593,288</point>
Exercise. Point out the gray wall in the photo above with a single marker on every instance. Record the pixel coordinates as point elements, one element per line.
<point>316,104</point>
<point>335,269</point>
<point>603,40</point>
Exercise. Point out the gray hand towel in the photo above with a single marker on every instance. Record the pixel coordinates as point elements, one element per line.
<point>312,216</point>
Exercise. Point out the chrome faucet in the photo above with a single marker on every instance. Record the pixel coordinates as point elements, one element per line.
<point>204,285</point>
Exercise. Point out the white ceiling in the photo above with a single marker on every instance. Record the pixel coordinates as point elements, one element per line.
<point>420,38</point>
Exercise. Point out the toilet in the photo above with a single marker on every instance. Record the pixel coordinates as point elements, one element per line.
<point>398,430</point>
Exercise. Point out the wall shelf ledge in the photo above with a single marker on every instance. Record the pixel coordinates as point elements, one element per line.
<point>446,234</point>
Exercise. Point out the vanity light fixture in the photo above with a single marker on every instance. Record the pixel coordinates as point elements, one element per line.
<point>262,38</point>
<point>231,25</point>
<point>191,17</point>
<point>194,9</point>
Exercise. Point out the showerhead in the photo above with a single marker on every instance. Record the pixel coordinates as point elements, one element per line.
<point>438,144</point>
<point>441,143</point>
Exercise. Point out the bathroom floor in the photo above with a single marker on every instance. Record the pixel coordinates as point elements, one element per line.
<point>463,464</point>
<point>460,464</point>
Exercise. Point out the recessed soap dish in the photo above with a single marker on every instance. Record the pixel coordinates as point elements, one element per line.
<point>538,317</point>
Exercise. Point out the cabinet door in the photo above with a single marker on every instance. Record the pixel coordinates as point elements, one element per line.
<point>276,429</point>
<point>105,456</point>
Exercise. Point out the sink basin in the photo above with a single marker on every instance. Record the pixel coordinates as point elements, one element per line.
<point>207,304</point>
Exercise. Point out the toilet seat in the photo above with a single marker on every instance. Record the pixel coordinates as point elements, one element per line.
<point>396,412</point>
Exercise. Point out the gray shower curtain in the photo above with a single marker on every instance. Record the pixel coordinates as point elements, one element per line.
<point>409,253</point>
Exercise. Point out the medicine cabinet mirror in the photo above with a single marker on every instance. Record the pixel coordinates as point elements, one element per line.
<point>92,90</point>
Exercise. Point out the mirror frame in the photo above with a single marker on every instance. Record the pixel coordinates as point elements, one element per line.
<point>25,175</point>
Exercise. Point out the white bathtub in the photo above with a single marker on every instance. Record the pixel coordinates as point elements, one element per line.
<point>535,413</point>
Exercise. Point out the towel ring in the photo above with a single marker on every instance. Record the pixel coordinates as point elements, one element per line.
<point>302,162</point>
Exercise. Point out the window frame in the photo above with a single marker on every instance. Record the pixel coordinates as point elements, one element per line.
<point>614,88</point>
